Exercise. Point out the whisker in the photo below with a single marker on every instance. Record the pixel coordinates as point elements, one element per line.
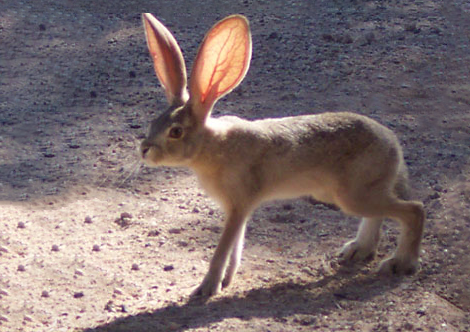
<point>131,173</point>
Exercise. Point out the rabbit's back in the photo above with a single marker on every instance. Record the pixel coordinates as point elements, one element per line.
<point>294,156</point>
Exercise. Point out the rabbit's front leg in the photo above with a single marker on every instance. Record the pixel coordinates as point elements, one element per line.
<point>363,247</point>
<point>235,258</point>
<point>231,236</point>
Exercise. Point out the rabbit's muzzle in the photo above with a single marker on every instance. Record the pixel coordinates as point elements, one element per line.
<point>149,153</point>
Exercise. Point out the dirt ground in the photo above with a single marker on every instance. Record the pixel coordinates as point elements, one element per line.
<point>93,241</point>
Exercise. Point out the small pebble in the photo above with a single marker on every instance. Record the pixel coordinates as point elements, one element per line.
<point>123,308</point>
<point>49,154</point>
<point>96,247</point>
<point>55,247</point>
<point>3,318</point>
<point>109,306</point>
<point>21,225</point>
<point>4,249</point>
<point>78,272</point>
<point>135,267</point>
<point>45,293</point>
<point>175,231</point>
<point>370,37</point>
<point>78,295</point>
<point>28,318</point>
<point>126,215</point>
<point>88,220</point>
<point>168,268</point>
<point>21,268</point>
<point>3,292</point>
<point>118,291</point>
<point>153,233</point>
<point>273,35</point>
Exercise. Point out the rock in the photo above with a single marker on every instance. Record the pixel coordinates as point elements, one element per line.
<point>273,35</point>
<point>96,247</point>
<point>78,295</point>
<point>118,291</point>
<point>135,267</point>
<point>21,225</point>
<point>124,220</point>
<point>55,247</point>
<point>153,232</point>
<point>21,268</point>
<point>175,231</point>
<point>126,215</point>
<point>45,293</point>
<point>411,27</point>
<point>369,37</point>
<point>168,268</point>
<point>434,195</point>
<point>327,37</point>
<point>49,154</point>
<point>88,220</point>
<point>109,307</point>
<point>345,39</point>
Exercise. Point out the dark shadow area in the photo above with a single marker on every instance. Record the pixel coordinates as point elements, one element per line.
<point>278,302</point>
<point>78,89</point>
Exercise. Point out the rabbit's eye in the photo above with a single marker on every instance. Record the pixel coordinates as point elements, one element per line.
<point>176,132</point>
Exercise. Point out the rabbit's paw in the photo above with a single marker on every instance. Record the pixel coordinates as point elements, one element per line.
<point>397,266</point>
<point>354,251</point>
<point>207,288</point>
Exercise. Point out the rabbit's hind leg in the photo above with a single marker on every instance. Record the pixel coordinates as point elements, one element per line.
<point>376,202</point>
<point>411,216</point>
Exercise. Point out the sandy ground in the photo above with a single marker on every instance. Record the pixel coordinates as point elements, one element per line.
<point>92,241</point>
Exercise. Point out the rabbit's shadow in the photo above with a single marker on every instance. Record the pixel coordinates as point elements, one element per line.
<point>281,302</point>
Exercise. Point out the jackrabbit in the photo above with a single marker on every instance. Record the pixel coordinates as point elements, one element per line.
<point>341,158</point>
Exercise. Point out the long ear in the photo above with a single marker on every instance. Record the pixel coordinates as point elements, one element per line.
<point>221,63</point>
<point>167,60</point>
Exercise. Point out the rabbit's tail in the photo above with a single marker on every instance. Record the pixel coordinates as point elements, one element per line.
<point>402,187</point>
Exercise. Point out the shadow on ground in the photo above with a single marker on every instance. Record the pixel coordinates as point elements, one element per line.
<point>277,302</point>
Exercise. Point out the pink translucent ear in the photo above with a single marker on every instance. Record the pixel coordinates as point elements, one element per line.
<point>221,63</point>
<point>167,60</point>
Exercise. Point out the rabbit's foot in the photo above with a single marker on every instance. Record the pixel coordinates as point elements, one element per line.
<point>227,281</point>
<point>207,288</point>
<point>354,251</point>
<point>398,266</point>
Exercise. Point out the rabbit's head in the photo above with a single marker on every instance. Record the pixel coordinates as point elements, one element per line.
<point>220,65</point>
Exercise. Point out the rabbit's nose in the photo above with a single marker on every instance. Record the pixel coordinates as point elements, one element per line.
<point>144,149</point>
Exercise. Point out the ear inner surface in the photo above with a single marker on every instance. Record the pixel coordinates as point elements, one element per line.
<point>167,60</point>
<point>222,62</point>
